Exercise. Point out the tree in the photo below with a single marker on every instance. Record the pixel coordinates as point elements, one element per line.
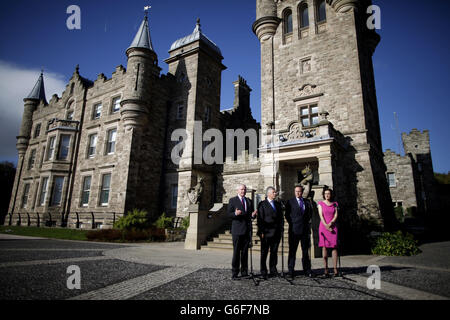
<point>7,174</point>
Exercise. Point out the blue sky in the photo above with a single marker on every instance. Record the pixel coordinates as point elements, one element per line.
<point>412,69</point>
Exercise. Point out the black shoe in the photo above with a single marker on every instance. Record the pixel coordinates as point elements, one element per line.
<point>310,274</point>
<point>234,277</point>
<point>264,276</point>
<point>244,274</point>
<point>291,275</point>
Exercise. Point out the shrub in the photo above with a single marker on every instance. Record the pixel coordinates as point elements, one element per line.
<point>164,222</point>
<point>136,219</point>
<point>136,235</point>
<point>104,235</point>
<point>185,223</point>
<point>396,244</point>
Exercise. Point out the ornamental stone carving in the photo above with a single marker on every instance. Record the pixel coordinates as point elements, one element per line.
<point>308,90</point>
<point>296,132</point>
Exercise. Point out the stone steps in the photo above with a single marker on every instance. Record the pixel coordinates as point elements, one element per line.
<point>224,241</point>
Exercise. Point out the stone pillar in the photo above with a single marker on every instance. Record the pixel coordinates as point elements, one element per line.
<point>194,234</point>
<point>325,166</point>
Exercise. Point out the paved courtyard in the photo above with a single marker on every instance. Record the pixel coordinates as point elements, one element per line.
<point>36,269</point>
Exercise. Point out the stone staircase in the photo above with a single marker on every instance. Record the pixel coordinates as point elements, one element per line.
<point>224,241</point>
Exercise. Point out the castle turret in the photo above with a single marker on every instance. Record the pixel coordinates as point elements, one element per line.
<point>267,21</point>
<point>142,69</point>
<point>30,104</point>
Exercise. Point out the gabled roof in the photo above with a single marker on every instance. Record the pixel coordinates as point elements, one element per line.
<point>38,92</point>
<point>142,38</point>
<point>196,35</point>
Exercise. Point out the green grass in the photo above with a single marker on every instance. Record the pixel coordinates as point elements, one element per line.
<point>44,232</point>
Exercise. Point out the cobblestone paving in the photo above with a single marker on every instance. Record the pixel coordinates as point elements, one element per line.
<point>212,284</point>
<point>37,269</point>
<point>50,281</point>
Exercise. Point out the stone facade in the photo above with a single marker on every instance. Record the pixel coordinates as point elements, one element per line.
<point>318,107</point>
<point>412,176</point>
<point>318,95</point>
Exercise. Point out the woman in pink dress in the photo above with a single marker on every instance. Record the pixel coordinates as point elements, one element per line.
<point>328,212</point>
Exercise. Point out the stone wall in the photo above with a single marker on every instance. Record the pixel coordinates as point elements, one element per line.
<point>404,189</point>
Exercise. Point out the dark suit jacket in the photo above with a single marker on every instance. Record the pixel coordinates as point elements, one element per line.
<point>270,222</point>
<point>241,224</point>
<point>298,220</point>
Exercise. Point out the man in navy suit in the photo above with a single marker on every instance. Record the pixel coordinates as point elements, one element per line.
<point>298,215</point>
<point>240,209</point>
<point>270,220</point>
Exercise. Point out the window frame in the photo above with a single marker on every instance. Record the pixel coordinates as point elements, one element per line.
<point>388,174</point>
<point>51,146</point>
<point>113,110</point>
<point>317,4</point>
<point>43,192</point>
<point>84,191</point>
<point>61,146</point>
<point>37,130</point>
<point>54,190</point>
<point>25,194</point>
<point>88,154</point>
<point>286,25</point>
<point>94,111</point>
<point>32,159</point>
<point>110,142</point>
<point>301,7</point>
<point>103,189</point>
<point>310,115</point>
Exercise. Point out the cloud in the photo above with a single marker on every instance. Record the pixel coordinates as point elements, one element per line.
<point>15,84</point>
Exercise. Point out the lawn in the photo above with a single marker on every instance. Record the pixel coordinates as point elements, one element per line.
<point>45,232</point>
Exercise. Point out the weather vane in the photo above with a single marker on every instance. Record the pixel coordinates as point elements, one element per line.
<point>146,8</point>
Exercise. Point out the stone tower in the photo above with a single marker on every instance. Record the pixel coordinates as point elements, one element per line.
<point>318,103</point>
<point>31,102</point>
<point>417,147</point>
<point>196,63</point>
<point>143,114</point>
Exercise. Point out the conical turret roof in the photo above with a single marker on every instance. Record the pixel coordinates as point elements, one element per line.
<point>142,38</point>
<point>38,92</point>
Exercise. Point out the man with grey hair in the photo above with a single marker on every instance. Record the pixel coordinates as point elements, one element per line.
<point>270,224</point>
<point>240,209</point>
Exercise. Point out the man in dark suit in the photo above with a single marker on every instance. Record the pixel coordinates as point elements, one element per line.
<point>298,215</point>
<point>240,209</point>
<point>270,220</point>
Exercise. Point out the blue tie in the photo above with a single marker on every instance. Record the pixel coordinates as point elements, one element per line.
<point>273,205</point>
<point>300,203</point>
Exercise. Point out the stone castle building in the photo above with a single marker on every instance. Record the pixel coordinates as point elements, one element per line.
<point>104,147</point>
<point>411,177</point>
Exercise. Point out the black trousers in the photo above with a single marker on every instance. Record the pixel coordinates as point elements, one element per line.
<point>240,254</point>
<point>294,240</point>
<point>269,244</point>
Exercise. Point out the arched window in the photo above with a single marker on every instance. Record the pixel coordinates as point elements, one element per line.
<point>287,21</point>
<point>303,15</point>
<point>321,11</point>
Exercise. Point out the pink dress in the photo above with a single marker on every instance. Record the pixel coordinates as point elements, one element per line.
<point>327,239</point>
